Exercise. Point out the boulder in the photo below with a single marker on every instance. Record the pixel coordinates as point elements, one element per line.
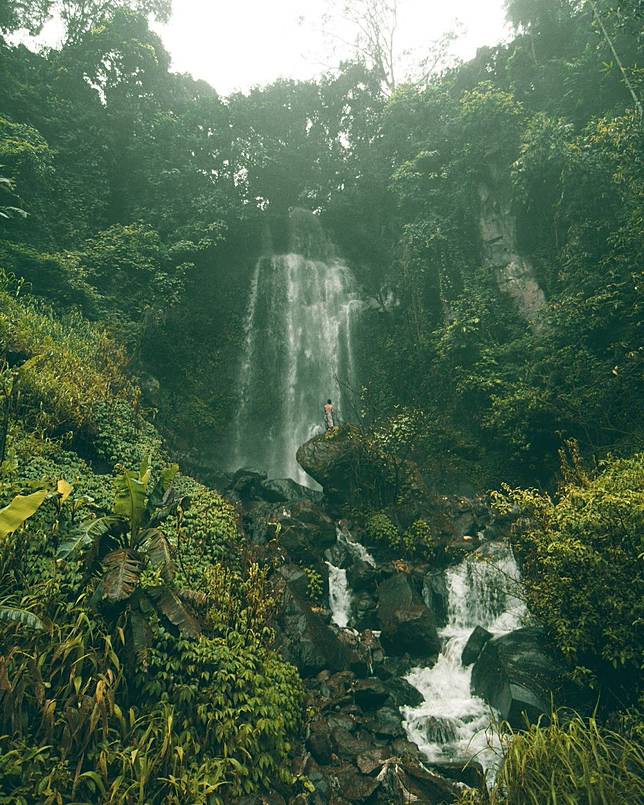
<point>342,462</point>
<point>517,673</point>
<point>469,772</point>
<point>474,645</point>
<point>286,490</point>
<point>370,694</point>
<point>309,643</point>
<point>319,742</point>
<point>411,781</point>
<point>436,595</point>
<point>246,484</point>
<point>355,787</point>
<point>407,624</point>
<point>362,576</point>
<point>305,532</point>
<point>296,579</point>
<point>386,722</point>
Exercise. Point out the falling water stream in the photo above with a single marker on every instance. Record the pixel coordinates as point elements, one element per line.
<point>451,722</point>
<point>298,350</point>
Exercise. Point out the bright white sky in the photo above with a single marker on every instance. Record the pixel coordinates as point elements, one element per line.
<point>236,44</point>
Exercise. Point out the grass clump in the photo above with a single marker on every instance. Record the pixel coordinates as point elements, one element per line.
<point>573,763</point>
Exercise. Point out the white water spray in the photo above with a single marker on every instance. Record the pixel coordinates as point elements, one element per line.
<point>451,723</point>
<point>339,596</point>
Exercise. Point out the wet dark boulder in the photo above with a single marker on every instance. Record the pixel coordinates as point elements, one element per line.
<point>517,673</point>
<point>469,772</point>
<point>296,579</point>
<point>354,786</point>
<point>286,490</point>
<point>370,694</point>
<point>386,722</point>
<point>411,781</point>
<point>362,577</point>
<point>408,626</point>
<point>436,595</point>
<point>347,467</point>
<point>310,643</point>
<point>319,742</point>
<point>474,645</point>
<point>305,531</point>
<point>246,485</point>
<point>403,694</point>
<point>365,611</point>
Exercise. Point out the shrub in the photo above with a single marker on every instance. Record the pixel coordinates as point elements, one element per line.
<point>417,541</point>
<point>580,562</point>
<point>578,762</point>
<point>80,367</point>
<point>382,530</point>
<point>235,700</point>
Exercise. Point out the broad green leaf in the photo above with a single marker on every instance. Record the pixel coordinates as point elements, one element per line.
<point>168,475</point>
<point>141,636</point>
<point>130,500</point>
<point>90,532</point>
<point>21,508</point>
<point>158,548</point>
<point>23,616</point>
<point>146,470</point>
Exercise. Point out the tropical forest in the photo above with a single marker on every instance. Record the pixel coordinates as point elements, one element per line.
<point>321,411</point>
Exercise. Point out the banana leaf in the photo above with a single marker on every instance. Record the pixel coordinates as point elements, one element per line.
<point>21,508</point>
<point>88,533</point>
<point>23,616</point>
<point>122,572</point>
<point>169,603</point>
<point>130,500</point>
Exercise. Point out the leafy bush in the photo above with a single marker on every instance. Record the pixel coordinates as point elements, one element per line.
<point>573,762</point>
<point>580,558</point>
<point>235,700</point>
<point>80,366</point>
<point>382,530</point>
<point>417,540</point>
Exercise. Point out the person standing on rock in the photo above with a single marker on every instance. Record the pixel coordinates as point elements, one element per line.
<point>328,415</point>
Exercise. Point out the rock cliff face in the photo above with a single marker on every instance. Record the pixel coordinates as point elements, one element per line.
<point>514,273</point>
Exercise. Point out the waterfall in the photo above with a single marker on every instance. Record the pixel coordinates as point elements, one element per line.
<point>356,549</point>
<point>339,596</point>
<point>451,723</point>
<point>298,349</point>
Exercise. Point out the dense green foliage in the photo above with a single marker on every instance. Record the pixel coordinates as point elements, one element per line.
<point>581,564</point>
<point>134,203</point>
<point>569,761</point>
<point>134,665</point>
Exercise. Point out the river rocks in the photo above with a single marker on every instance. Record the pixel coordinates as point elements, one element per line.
<point>407,624</point>
<point>474,645</point>
<point>286,490</point>
<point>436,595</point>
<point>305,532</point>
<point>370,694</point>
<point>362,576</point>
<point>309,643</point>
<point>516,673</point>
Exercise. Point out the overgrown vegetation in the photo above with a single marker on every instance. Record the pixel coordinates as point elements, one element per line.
<point>580,557</point>
<point>571,760</point>
<point>493,215</point>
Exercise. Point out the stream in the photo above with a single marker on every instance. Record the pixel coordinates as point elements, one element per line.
<point>451,724</point>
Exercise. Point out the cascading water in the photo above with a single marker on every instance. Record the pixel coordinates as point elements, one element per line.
<point>298,351</point>
<point>356,549</point>
<point>450,724</point>
<point>339,596</point>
